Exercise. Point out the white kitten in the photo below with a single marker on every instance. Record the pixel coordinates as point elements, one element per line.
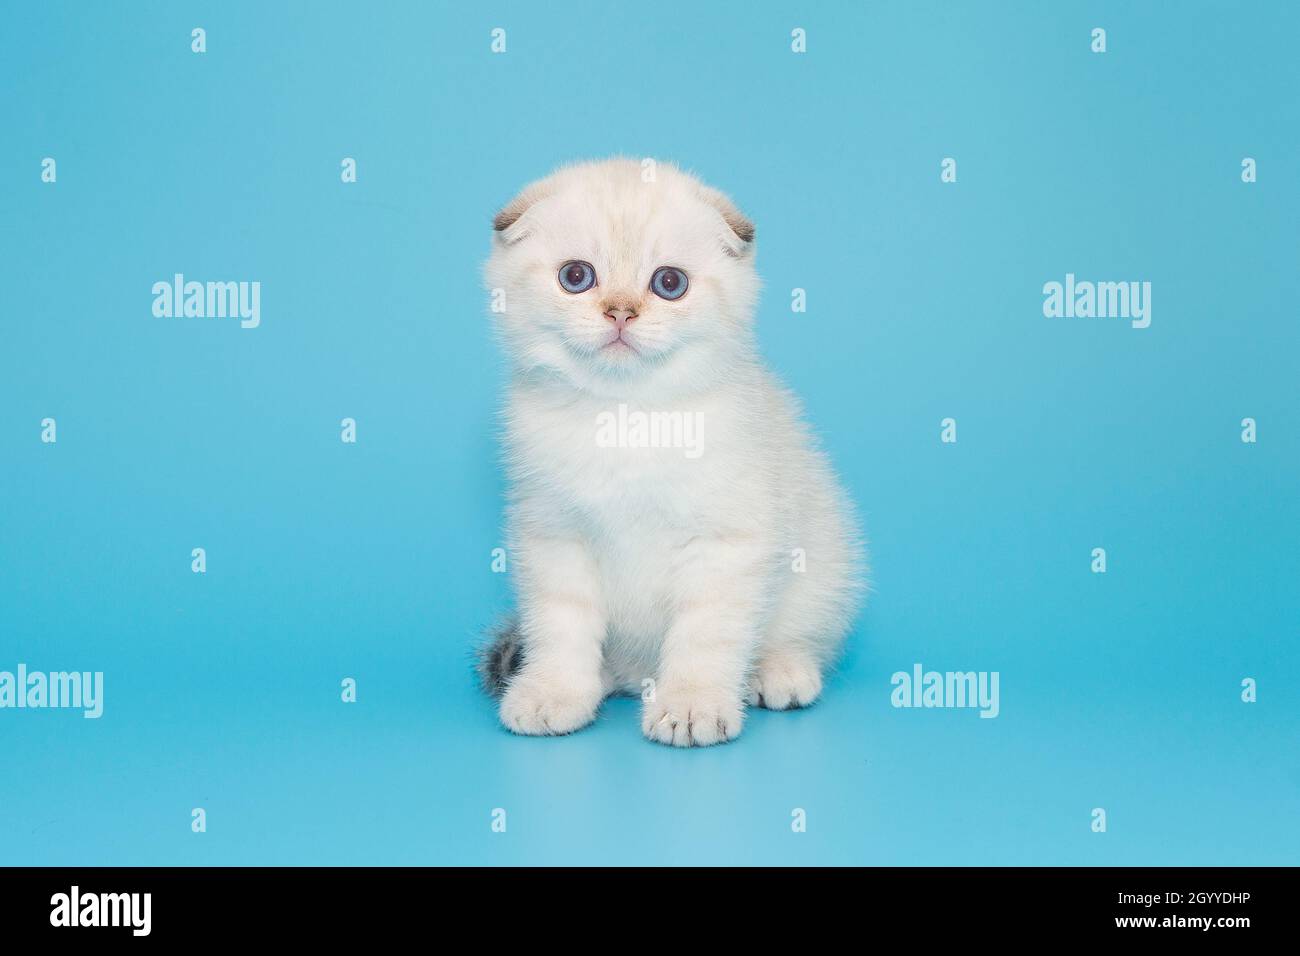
<point>673,528</point>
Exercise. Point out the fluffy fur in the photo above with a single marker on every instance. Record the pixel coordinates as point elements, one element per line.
<point>643,569</point>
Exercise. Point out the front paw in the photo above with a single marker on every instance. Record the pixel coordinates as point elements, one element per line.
<point>692,717</point>
<point>539,707</point>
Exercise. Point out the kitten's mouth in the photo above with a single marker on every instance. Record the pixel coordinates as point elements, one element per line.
<point>619,344</point>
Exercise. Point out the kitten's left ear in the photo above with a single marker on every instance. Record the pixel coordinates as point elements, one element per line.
<point>741,240</point>
<point>506,223</point>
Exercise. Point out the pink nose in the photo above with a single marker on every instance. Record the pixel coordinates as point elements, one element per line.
<point>620,317</point>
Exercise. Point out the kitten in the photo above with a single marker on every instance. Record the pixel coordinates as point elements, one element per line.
<point>674,530</point>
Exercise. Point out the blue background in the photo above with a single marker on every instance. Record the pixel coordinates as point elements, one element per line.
<point>328,560</point>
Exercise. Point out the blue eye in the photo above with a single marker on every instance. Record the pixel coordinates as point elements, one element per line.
<point>577,276</point>
<point>669,283</point>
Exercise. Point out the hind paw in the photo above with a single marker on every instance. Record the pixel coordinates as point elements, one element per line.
<point>782,682</point>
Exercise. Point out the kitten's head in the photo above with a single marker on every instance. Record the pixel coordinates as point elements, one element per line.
<point>615,283</point>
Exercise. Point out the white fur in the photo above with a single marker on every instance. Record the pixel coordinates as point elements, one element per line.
<point>636,564</point>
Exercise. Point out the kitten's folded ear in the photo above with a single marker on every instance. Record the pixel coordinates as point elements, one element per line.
<point>506,223</point>
<point>741,240</point>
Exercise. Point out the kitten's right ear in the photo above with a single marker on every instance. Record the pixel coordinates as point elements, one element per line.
<point>741,238</point>
<point>506,223</point>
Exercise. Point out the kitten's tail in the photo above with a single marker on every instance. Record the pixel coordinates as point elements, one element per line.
<point>500,657</point>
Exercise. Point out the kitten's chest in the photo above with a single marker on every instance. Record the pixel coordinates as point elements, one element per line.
<point>618,466</point>
<point>637,489</point>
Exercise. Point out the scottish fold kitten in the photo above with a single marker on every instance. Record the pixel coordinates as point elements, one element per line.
<point>673,528</point>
